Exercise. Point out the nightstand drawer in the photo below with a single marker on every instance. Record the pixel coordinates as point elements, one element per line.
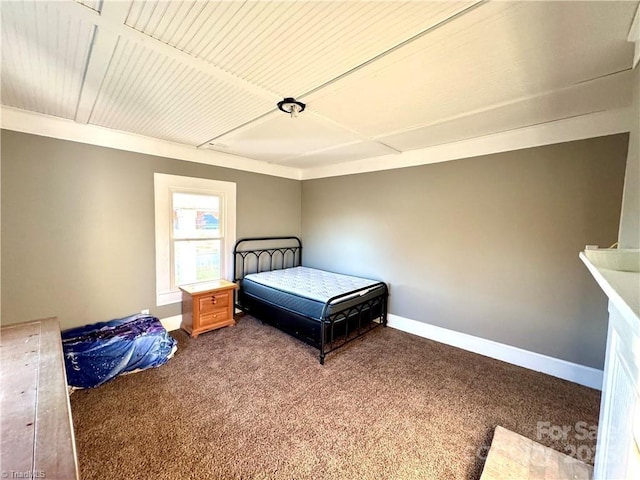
<point>214,315</point>
<point>212,302</point>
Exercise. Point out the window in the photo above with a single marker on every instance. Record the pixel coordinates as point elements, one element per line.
<point>196,237</point>
<point>195,232</point>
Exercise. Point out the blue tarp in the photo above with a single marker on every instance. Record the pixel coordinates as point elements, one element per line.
<point>97,353</point>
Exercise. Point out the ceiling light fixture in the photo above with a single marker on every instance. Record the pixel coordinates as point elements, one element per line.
<point>291,106</point>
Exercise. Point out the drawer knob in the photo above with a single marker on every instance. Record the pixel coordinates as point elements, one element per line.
<point>213,299</point>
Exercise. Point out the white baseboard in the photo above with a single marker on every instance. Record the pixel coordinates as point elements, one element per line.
<point>587,376</point>
<point>171,323</point>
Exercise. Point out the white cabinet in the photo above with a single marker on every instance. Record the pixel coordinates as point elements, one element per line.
<point>617,453</point>
<point>618,447</point>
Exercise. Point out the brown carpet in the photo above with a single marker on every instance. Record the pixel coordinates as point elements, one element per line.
<point>250,402</point>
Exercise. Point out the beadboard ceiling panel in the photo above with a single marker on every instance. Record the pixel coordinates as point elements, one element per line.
<point>610,92</point>
<point>146,93</point>
<point>44,54</point>
<point>500,52</point>
<point>288,47</point>
<point>95,5</point>
<point>379,78</point>
<point>281,138</point>
<point>332,156</point>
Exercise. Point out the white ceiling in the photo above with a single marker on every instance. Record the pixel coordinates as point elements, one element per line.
<point>378,77</point>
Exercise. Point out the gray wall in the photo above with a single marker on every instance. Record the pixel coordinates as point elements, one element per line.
<point>630,219</point>
<point>487,246</point>
<point>78,226</point>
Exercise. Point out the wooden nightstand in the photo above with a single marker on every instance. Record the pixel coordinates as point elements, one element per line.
<point>207,306</point>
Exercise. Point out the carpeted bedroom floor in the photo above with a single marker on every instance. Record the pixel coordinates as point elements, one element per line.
<point>250,402</point>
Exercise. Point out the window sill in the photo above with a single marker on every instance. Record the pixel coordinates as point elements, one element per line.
<point>168,298</point>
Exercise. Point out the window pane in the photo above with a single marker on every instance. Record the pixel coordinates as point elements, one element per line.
<point>195,216</point>
<point>196,261</point>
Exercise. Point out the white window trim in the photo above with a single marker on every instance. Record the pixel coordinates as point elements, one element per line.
<point>163,186</point>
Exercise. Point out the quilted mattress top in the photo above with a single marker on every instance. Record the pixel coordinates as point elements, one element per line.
<point>311,283</point>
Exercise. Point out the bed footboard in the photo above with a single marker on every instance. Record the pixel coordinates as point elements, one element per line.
<point>355,320</point>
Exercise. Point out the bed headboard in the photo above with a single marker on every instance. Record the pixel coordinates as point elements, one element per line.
<point>263,254</point>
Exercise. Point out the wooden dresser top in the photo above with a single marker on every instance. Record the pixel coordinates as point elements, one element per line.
<point>37,431</point>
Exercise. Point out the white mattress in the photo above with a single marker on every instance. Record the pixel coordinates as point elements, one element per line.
<point>311,283</point>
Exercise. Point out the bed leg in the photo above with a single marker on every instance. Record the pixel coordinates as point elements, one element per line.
<point>322,359</point>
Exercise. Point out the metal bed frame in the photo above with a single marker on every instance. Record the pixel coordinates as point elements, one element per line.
<point>336,327</point>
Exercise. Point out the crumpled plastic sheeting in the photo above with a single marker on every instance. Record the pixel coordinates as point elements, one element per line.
<point>97,353</point>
